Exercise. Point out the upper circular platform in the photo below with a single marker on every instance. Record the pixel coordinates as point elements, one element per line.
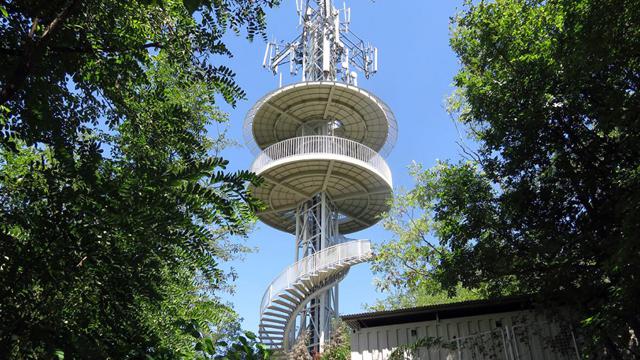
<point>280,114</point>
<point>356,179</point>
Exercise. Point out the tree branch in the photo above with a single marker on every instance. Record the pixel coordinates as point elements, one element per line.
<point>423,237</point>
<point>32,52</point>
<point>83,49</point>
<point>34,26</point>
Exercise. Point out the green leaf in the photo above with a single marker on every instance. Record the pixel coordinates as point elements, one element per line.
<point>191,5</point>
<point>209,347</point>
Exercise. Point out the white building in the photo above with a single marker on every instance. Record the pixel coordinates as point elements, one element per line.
<point>507,328</point>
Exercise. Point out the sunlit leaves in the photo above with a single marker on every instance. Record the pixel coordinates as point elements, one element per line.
<point>115,206</point>
<point>413,264</point>
<point>549,91</point>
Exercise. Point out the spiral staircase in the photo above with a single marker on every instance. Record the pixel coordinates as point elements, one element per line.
<point>299,283</point>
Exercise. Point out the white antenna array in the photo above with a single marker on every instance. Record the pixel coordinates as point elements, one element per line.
<point>327,50</point>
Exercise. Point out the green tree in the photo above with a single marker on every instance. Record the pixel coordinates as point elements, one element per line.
<point>113,206</point>
<point>242,347</point>
<point>339,346</point>
<point>300,350</point>
<point>548,205</point>
<point>408,279</point>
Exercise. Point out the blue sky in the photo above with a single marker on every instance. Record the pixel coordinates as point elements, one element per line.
<point>416,68</point>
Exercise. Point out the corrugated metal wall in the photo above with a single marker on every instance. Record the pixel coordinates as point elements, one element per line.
<point>511,336</point>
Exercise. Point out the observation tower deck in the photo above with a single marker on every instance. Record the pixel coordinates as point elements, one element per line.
<point>322,137</point>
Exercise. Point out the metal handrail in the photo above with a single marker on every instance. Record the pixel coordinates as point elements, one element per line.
<point>322,144</point>
<point>312,264</point>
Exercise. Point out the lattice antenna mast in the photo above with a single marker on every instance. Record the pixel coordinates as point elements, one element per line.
<point>326,50</point>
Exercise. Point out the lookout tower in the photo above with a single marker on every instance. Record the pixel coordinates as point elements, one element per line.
<point>320,145</point>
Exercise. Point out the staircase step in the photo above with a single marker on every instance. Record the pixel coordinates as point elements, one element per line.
<point>284,303</point>
<point>274,341</point>
<point>295,292</point>
<point>275,321</point>
<point>302,289</point>
<point>267,341</point>
<point>271,338</point>
<point>282,316</point>
<point>277,308</point>
<point>272,333</point>
<point>272,326</point>
<point>323,276</point>
<point>292,299</point>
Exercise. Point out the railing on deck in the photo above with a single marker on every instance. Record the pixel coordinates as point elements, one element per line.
<point>322,144</point>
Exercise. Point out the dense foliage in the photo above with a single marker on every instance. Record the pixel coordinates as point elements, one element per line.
<point>113,205</point>
<point>339,346</point>
<point>242,347</point>
<point>300,350</point>
<point>549,204</point>
<point>405,265</point>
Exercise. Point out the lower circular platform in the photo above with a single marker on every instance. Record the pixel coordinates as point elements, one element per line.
<point>359,189</point>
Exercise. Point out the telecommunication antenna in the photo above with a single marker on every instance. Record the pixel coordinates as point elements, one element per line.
<point>320,146</point>
<point>326,50</point>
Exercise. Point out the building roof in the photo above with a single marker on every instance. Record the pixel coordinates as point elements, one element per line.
<point>436,312</point>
